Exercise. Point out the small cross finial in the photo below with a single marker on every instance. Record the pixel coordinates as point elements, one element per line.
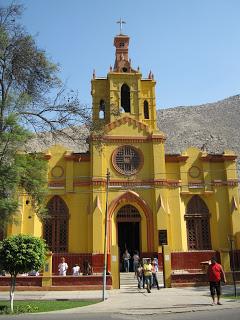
<point>121,22</point>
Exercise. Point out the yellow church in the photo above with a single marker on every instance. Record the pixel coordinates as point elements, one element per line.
<point>188,202</point>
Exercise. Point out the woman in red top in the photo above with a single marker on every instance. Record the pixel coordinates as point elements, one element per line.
<point>215,274</point>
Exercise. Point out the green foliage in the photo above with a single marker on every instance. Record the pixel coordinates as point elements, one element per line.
<point>22,253</point>
<point>43,306</point>
<point>19,171</point>
<point>19,308</point>
<point>12,138</point>
<point>32,169</point>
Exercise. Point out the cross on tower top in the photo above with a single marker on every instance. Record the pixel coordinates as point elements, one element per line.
<point>121,22</point>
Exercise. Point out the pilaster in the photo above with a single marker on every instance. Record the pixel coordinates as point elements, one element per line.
<point>233,200</point>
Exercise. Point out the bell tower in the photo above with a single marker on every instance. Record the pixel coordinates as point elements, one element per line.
<point>122,64</point>
<point>124,92</point>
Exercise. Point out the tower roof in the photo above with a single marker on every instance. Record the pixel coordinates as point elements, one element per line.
<point>122,61</point>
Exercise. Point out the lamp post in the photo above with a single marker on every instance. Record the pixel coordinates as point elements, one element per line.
<point>105,238</point>
<point>231,241</point>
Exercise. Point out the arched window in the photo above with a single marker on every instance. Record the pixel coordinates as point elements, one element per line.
<point>125,98</point>
<point>102,109</point>
<point>128,213</point>
<point>146,110</point>
<point>55,227</point>
<point>197,221</point>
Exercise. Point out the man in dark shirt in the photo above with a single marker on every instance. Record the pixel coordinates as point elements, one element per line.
<point>215,275</point>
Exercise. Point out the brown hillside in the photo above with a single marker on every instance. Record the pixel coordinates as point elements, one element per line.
<point>213,127</point>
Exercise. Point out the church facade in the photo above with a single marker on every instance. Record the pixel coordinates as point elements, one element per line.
<point>188,201</point>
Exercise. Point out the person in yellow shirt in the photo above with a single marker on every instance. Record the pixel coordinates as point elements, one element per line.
<point>147,269</point>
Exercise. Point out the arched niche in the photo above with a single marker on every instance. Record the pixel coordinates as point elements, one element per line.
<point>55,226</point>
<point>197,222</point>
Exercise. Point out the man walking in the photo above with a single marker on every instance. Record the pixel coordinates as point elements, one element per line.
<point>215,275</point>
<point>147,269</point>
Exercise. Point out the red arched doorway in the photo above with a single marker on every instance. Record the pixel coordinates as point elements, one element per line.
<point>132,199</point>
<point>128,229</point>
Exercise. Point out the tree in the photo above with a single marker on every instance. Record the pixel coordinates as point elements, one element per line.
<point>27,80</point>
<point>21,254</point>
<point>19,172</point>
<point>27,77</point>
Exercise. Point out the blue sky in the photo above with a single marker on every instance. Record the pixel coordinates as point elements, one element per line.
<point>191,46</point>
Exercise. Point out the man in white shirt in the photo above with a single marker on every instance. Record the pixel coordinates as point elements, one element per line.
<point>62,267</point>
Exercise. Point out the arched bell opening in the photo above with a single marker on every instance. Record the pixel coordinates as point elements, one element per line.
<point>125,97</point>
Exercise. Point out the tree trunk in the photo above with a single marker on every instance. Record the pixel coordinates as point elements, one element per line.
<point>12,289</point>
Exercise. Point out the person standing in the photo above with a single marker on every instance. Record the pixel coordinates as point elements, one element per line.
<point>126,258</point>
<point>147,269</point>
<point>87,268</point>
<point>62,267</point>
<point>76,270</point>
<point>136,261</point>
<point>154,273</point>
<point>215,275</point>
<point>139,273</point>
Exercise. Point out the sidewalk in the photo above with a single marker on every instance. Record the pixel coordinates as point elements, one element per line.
<point>170,300</point>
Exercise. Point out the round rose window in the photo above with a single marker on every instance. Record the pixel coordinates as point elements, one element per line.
<point>127,160</point>
<point>194,172</point>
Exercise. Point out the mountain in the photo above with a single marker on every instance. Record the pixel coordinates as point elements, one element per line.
<point>213,127</point>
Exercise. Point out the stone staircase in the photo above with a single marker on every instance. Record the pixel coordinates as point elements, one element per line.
<point>128,283</point>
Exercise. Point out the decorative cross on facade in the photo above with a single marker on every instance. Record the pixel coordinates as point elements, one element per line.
<point>121,22</point>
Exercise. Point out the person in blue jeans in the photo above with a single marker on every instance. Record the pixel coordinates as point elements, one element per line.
<point>139,274</point>
<point>126,258</point>
<point>154,273</point>
<point>147,269</point>
<point>136,261</point>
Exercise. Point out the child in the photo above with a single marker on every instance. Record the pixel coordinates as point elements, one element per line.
<point>76,270</point>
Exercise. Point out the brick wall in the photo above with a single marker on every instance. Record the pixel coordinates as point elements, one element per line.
<point>192,259</point>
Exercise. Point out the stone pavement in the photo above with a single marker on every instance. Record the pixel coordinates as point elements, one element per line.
<point>170,300</point>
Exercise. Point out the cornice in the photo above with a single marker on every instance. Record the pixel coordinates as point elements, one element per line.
<point>218,157</point>
<point>128,184</point>
<point>77,157</point>
<point>229,182</point>
<point>175,158</point>
<point>56,184</point>
<point>95,182</point>
<point>190,193</point>
<point>129,139</point>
